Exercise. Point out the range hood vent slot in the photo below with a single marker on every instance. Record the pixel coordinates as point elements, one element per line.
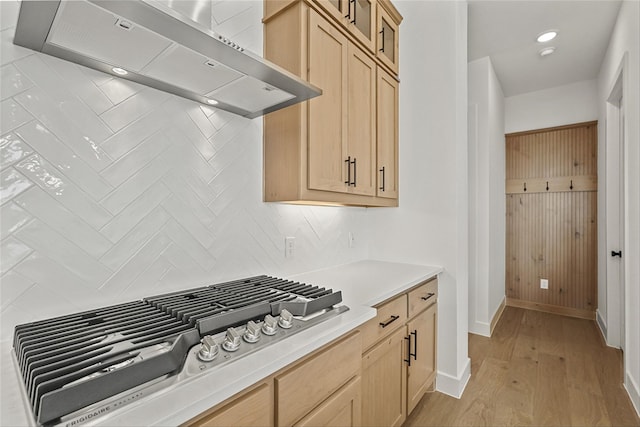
<point>161,48</point>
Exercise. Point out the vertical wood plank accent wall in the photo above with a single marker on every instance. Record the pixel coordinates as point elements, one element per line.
<point>551,219</point>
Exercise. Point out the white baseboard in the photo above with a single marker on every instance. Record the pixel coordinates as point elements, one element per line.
<point>633,391</point>
<point>480,328</point>
<point>602,324</point>
<point>453,386</point>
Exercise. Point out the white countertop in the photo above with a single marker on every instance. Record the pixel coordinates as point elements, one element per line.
<point>364,284</point>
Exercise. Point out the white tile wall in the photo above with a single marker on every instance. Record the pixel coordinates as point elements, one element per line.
<point>110,191</point>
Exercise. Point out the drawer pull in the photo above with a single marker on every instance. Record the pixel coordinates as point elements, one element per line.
<point>429,295</point>
<point>390,321</point>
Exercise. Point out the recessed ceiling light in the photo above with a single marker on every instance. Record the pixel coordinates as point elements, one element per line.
<point>212,101</point>
<point>547,51</point>
<point>547,36</point>
<point>120,71</point>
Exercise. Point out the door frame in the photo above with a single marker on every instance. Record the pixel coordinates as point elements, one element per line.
<point>617,218</point>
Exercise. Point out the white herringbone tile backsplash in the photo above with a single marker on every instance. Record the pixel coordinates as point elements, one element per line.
<point>111,191</point>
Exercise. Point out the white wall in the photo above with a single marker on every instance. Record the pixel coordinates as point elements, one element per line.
<point>111,191</point>
<point>562,105</point>
<point>624,50</point>
<point>430,226</point>
<point>486,196</point>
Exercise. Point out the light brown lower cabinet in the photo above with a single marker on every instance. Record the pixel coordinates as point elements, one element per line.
<point>422,371</point>
<point>399,360</point>
<point>383,382</point>
<point>253,408</point>
<point>342,409</point>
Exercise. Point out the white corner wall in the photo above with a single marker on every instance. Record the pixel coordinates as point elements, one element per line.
<point>486,196</point>
<point>430,226</point>
<point>558,106</point>
<point>623,51</point>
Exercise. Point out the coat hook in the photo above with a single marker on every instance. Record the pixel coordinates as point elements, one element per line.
<point>525,186</point>
<point>571,186</point>
<point>547,185</point>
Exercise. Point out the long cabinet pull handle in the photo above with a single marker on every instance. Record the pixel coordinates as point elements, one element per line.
<point>348,162</point>
<point>355,174</point>
<point>390,321</point>
<point>382,33</point>
<point>408,359</point>
<point>355,11</point>
<point>429,295</point>
<point>382,170</point>
<point>415,345</point>
<point>348,15</point>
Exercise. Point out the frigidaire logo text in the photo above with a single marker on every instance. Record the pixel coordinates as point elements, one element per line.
<point>103,410</point>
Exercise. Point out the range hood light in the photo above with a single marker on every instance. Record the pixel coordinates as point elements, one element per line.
<point>120,71</point>
<point>212,101</point>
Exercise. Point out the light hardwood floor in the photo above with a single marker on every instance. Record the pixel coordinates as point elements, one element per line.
<point>538,369</point>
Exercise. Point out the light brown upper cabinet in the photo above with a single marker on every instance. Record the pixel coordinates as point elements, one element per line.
<point>387,38</point>
<point>387,122</point>
<point>326,150</point>
<point>357,16</point>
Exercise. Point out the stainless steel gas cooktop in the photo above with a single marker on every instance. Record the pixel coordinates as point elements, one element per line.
<point>78,367</point>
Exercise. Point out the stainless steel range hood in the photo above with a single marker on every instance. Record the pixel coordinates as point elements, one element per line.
<point>159,47</point>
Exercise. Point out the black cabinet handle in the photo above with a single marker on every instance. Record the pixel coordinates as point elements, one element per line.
<point>382,33</point>
<point>618,254</point>
<point>355,11</point>
<point>429,295</point>
<point>390,321</point>
<point>382,170</point>
<point>348,162</point>
<point>571,186</point>
<point>408,359</point>
<point>355,174</point>
<point>348,15</point>
<point>525,186</point>
<point>415,345</point>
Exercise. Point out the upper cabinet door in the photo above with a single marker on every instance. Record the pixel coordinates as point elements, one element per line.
<point>327,146</point>
<point>387,40</point>
<point>387,103</point>
<point>361,123</point>
<point>357,16</point>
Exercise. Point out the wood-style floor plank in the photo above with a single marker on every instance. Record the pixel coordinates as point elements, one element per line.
<point>538,369</point>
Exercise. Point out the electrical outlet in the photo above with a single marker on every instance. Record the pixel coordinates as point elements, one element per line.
<point>544,284</point>
<point>352,240</point>
<point>289,247</point>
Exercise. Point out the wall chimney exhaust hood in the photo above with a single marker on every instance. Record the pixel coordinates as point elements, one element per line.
<point>150,43</point>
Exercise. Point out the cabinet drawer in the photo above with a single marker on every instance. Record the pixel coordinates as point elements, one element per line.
<point>423,296</point>
<point>318,377</point>
<point>391,315</point>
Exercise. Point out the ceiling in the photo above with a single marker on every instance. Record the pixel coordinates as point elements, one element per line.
<point>506,31</point>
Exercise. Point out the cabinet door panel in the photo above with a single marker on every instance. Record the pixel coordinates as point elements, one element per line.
<point>361,87</point>
<point>422,371</point>
<point>342,409</point>
<point>387,44</point>
<point>254,409</point>
<point>384,376</point>
<point>327,113</point>
<point>387,135</point>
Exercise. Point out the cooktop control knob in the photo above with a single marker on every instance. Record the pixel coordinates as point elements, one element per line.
<point>208,349</point>
<point>286,319</point>
<point>231,340</point>
<point>252,333</point>
<point>270,325</point>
